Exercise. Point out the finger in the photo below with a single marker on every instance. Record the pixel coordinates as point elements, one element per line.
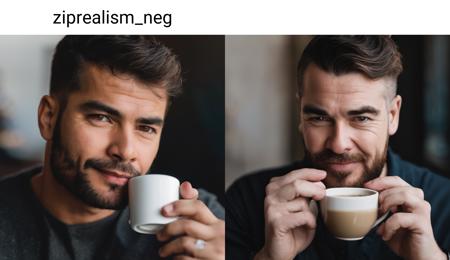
<point>398,221</point>
<point>296,205</point>
<point>185,227</point>
<point>407,201</point>
<point>300,188</point>
<point>402,190</point>
<point>294,220</point>
<point>187,191</point>
<point>387,182</point>
<point>312,175</point>
<point>185,245</point>
<point>193,209</point>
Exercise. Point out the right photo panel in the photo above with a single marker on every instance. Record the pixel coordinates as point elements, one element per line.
<point>337,147</point>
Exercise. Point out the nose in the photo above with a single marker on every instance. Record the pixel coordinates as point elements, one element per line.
<point>122,145</point>
<point>340,140</point>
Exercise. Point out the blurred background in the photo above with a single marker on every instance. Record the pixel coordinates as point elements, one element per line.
<point>192,145</point>
<point>261,110</point>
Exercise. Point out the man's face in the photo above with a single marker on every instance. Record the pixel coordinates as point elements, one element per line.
<point>346,121</point>
<point>108,132</point>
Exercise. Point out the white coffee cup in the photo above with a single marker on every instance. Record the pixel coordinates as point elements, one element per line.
<point>350,213</point>
<point>147,195</point>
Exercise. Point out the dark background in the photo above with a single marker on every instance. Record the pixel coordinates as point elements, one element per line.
<point>192,144</point>
<point>425,95</point>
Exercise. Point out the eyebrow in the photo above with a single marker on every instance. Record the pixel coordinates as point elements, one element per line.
<point>99,106</point>
<point>150,121</point>
<point>364,110</point>
<point>311,109</point>
<point>96,105</point>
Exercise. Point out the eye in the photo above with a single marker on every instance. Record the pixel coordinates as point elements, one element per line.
<point>147,129</point>
<point>361,119</point>
<point>100,118</point>
<point>320,118</point>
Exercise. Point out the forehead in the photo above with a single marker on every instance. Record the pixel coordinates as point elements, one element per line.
<point>341,91</point>
<point>122,91</point>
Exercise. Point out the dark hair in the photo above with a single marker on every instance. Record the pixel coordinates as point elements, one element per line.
<point>374,56</point>
<point>142,57</point>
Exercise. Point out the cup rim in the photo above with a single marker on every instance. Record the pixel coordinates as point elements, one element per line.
<point>348,190</point>
<point>155,174</point>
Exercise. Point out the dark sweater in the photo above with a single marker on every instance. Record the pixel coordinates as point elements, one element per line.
<point>244,203</point>
<point>28,231</point>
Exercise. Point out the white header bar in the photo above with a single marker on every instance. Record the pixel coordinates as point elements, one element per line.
<point>225,17</point>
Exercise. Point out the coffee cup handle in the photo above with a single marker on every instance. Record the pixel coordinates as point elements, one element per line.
<point>380,219</point>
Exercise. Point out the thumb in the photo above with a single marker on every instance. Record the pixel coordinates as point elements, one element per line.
<point>187,191</point>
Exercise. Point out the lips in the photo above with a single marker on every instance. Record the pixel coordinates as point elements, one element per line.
<point>115,177</point>
<point>341,166</point>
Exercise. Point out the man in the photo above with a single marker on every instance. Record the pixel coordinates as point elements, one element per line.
<point>348,109</point>
<point>102,125</point>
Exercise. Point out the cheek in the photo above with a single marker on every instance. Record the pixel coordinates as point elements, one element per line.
<point>369,143</point>
<point>314,138</point>
<point>147,151</point>
<point>85,142</point>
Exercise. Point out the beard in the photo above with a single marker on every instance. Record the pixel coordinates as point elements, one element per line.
<point>322,159</point>
<point>70,173</point>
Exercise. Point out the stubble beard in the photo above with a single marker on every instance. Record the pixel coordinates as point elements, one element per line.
<point>70,173</point>
<point>339,178</point>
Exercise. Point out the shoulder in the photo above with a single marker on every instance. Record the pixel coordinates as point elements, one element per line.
<point>417,176</point>
<point>17,219</point>
<point>15,187</point>
<point>212,203</point>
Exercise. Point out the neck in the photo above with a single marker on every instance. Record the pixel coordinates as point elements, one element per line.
<point>62,203</point>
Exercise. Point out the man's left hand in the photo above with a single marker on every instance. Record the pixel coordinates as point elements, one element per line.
<point>408,232</point>
<point>199,234</point>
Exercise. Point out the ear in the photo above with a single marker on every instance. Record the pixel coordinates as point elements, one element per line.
<point>47,116</point>
<point>394,114</point>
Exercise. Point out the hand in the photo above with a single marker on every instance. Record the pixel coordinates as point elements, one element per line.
<point>408,232</point>
<point>289,223</point>
<point>196,222</point>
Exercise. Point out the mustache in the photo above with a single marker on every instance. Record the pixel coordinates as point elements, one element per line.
<point>328,156</point>
<point>106,164</point>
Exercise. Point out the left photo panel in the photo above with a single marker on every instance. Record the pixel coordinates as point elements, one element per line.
<point>112,147</point>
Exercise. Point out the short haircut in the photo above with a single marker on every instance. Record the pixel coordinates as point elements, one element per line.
<point>375,57</point>
<point>141,57</point>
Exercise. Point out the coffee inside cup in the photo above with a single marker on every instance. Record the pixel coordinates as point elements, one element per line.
<point>350,224</point>
<point>349,213</point>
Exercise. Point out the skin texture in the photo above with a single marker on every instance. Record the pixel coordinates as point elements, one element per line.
<point>108,131</point>
<point>346,121</point>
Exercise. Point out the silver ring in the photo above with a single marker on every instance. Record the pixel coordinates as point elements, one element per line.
<point>199,244</point>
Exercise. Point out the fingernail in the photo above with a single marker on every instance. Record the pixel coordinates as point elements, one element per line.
<point>186,185</point>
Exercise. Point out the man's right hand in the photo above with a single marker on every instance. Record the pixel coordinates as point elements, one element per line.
<point>289,223</point>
